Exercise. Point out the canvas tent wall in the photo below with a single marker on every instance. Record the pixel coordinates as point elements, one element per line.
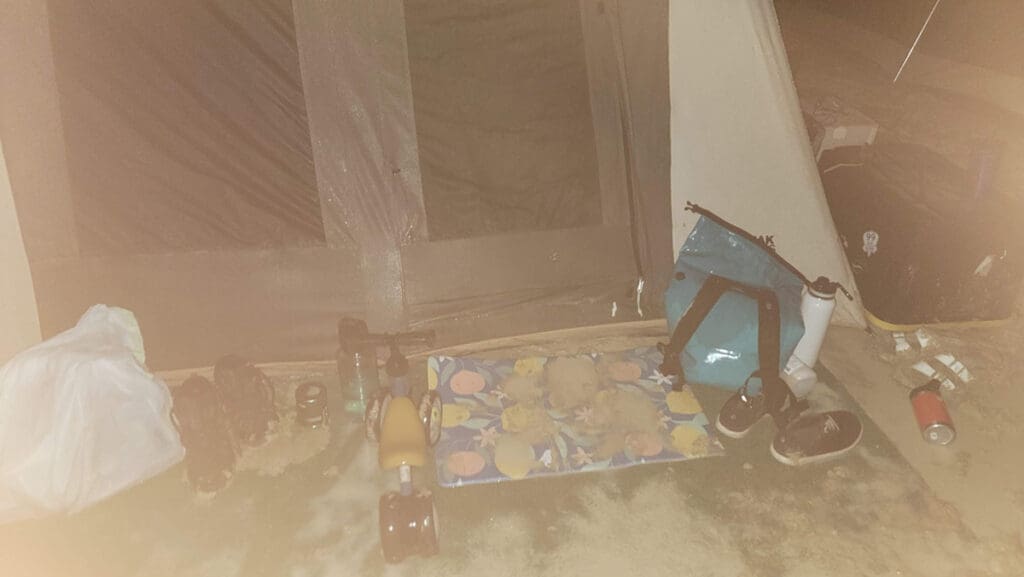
<point>241,174</point>
<point>17,300</point>
<point>739,145</point>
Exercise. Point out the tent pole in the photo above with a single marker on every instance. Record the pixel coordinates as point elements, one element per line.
<point>916,40</point>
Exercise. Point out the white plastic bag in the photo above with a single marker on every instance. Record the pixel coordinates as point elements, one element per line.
<point>81,418</point>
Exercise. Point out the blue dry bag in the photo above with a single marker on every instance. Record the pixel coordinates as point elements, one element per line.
<point>748,280</point>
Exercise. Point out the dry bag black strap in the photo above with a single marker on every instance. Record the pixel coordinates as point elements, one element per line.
<point>712,290</point>
<point>769,327</point>
<point>780,401</point>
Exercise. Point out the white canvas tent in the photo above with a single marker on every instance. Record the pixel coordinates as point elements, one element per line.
<point>17,300</point>
<point>739,145</point>
<point>240,174</point>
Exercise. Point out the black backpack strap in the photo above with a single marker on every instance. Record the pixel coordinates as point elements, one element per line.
<point>712,290</point>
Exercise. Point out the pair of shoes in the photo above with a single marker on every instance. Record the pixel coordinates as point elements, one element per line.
<point>805,439</point>
<point>204,431</point>
<point>214,419</point>
<point>246,396</point>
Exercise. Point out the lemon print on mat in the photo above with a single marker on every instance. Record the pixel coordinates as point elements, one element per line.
<point>529,367</point>
<point>453,415</point>
<point>682,402</point>
<point>690,441</point>
<point>513,457</point>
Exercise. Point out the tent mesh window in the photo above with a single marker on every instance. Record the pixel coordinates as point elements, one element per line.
<point>185,126</point>
<point>503,121</point>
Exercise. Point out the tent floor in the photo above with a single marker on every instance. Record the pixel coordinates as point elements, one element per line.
<point>894,507</point>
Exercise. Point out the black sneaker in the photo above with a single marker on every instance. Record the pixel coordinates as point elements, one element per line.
<point>817,437</point>
<point>246,397</point>
<point>740,413</point>
<point>204,431</point>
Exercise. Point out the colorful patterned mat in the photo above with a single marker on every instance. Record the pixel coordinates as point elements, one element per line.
<point>531,417</point>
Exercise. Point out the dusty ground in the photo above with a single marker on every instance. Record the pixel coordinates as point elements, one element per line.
<point>980,473</point>
<point>946,108</point>
<point>739,515</point>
